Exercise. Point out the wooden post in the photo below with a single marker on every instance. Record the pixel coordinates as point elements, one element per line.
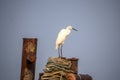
<point>28,58</point>
<point>74,66</point>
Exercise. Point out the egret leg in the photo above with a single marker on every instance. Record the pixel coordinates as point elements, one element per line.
<point>61,50</point>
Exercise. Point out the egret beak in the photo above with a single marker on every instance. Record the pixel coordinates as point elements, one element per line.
<point>74,29</point>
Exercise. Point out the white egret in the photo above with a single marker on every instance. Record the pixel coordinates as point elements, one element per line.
<point>62,35</point>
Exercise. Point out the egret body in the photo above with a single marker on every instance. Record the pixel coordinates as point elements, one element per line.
<point>62,35</point>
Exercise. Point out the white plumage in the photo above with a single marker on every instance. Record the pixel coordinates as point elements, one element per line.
<point>62,35</point>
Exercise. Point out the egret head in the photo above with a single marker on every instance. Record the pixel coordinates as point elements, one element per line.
<point>71,28</point>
